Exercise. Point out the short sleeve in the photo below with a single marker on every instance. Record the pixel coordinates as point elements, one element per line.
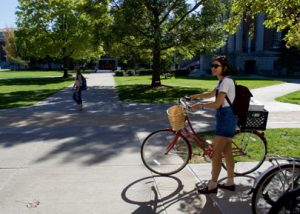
<point>225,85</point>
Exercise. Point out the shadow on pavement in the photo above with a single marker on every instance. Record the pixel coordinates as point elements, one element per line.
<point>156,194</point>
<point>105,128</point>
<point>238,201</point>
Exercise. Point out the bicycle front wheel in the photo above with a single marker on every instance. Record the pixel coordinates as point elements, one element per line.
<point>249,151</point>
<point>164,152</point>
<point>273,185</point>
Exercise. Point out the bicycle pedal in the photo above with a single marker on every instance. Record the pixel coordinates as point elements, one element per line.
<point>201,184</point>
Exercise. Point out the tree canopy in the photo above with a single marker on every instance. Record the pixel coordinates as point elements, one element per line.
<point>163,27</point>
<point>135,29</point>
<point>283,15</point>
<point>10,47</point>
<point>61,29</point>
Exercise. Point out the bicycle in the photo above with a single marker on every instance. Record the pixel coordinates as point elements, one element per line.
<point>168,151</point>
<point>277,189</point>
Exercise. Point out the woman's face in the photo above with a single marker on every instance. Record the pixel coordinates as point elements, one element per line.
<point>216,68</point>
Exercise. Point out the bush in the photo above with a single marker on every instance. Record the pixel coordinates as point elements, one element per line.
<point>119,73</point>
<point>144,72</point>
<point>129,72</point>
<point>181,72</point>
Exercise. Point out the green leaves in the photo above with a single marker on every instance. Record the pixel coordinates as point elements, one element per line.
<point>11,49</point>
<point>280,14</point>
<point>61,28</point>
<point>166,27</point>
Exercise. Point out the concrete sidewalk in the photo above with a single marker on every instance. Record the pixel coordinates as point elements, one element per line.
<point>55,159</point>
<point>89,161</point>
<point>280,114</point>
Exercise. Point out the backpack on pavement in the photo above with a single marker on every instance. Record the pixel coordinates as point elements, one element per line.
<point>241,102</point>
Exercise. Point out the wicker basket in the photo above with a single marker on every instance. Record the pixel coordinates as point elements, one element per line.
<point>176,116</point>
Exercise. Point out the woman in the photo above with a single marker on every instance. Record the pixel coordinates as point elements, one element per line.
<point>226,123</point>
<point>77,87</point>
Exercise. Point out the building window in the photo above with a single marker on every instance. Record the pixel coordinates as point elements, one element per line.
<point>276,40</point>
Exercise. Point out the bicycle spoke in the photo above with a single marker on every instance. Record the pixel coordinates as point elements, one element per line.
<point>272,186</point>
<point>249,150</point>
<point>164,152</point>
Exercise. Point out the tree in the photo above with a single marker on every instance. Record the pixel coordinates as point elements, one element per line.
<point>60,29</point>
<point>11,48</point>
<point>283,15</point>
<point>162,26</point>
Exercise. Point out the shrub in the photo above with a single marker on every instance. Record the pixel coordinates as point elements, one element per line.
<point>181,72</point>
<point>119,73</point>
<point>144,72</point>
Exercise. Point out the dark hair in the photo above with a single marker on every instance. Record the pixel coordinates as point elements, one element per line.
<point>225,64</point>
<point>78,71</point>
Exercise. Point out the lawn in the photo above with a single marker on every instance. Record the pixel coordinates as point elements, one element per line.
<point>29,74</point>
<point>25,92</point>
<point>137,88</point>
<point>290,98</point>
<point>284,142</point>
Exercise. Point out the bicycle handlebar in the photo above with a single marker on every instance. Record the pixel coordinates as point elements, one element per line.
<point>183,101</point>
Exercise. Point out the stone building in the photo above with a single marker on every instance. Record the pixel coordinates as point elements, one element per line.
<point>254,55</point>
<point>247,55</point>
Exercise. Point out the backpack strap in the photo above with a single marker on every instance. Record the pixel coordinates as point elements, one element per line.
<point>227,99</point>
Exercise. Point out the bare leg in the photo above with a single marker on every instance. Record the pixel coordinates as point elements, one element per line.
<point>218,147</point>
<point>229,161</point>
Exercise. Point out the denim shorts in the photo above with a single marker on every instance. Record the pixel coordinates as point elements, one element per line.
<point>226,122</point>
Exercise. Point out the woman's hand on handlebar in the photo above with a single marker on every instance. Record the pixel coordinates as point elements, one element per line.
<point>187,98</point>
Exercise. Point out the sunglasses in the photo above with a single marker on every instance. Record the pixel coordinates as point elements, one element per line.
<point>215,66</point>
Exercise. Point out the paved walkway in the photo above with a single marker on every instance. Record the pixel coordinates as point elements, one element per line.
<point>280,114</point>
<point>55,159</point>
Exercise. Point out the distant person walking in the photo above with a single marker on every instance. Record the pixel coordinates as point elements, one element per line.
<point>77,87</point>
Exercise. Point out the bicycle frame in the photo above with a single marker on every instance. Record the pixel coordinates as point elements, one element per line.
<point>188,133</point>
<point>278,165</point>
<point>294,161</point>
<point>180,137</point>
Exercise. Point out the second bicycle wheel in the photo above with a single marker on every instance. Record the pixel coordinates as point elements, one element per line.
<point>249,151</point>
<point>273,185</point>
<point>165,153</point>
<point>289,202</point>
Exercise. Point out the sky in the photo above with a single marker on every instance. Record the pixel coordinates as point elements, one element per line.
<point>7,13</point>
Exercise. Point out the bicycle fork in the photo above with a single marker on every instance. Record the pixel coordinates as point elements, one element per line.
<point>172,144</point>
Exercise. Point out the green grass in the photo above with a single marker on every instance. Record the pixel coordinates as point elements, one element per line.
<point>293,98</point>
<point>25,92</point>
<point>137,88</point>
<point>284,142</point>
<point>29,74</point>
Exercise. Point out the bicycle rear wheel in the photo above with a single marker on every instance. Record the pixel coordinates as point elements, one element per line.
<point>273,185</point>
<point>287,203</point>
<point>164,152</point>
<point>249,151</point>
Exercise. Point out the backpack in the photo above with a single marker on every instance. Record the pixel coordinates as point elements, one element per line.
<point>83,83</point>
<point>241,103</point>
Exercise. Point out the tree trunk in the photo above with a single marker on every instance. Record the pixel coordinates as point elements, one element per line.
<point>156,68</point>
<point>65,66</point>
<point>156,55</point>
